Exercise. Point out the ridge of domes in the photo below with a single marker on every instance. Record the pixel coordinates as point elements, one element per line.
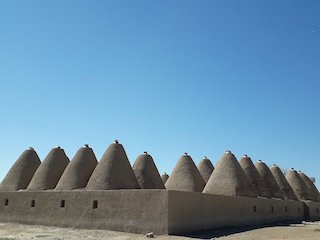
<point>147,173</point>
<point>79,170</point>
<point>298,185</point>
<point>50,170</point>
<point>205,168</point>
<point>283,183</point>
<point>164,177</point>
<point>21,172</point>
<point>185,176</point>
<point>311,186</point>
<point>229,179</point>
<point>254,176</point>
<point>269,180</point>
<point>113,171</point>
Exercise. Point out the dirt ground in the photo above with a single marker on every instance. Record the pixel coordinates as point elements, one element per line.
<point>301,231</point>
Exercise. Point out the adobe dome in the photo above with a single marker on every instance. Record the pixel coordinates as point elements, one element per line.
<point>229,179</point>
<point>50,170</point>
<point>311,186</point>
<point>147,173</point>
<point>79,170</point>
<point>283,183</point>
<point>269,180</point>
<point>205,168</point>
<point>254,177</point>
<point>22,171</point>
<point>164,178</point>
<point>185,176</point>
<point>299,187</point>
<point>113,171</point>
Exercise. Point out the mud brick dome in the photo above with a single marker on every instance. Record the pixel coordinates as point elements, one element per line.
<point>269,180</point>
<point>311,186</point>
<point>50,170</point>
<point>21,173</point>
<point>147,173</point>
<point>254,176</point>
<point>205,168</point>
<point>229,179</point>
<point>185,176</point>
<point>283,184</point>
<point>164,178</point>
<point>299,187</point>
<point>113,171</point>
<point>79,170</point>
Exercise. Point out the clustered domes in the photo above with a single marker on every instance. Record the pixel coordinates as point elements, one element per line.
<point>299,186</point>
<point>254,176</point>
<point>229,177</point>
<point>269,180</point>
<point>283,184</point>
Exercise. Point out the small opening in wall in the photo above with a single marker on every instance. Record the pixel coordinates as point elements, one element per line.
<point>285,209</point>
<point>298,209</point>
<point>271,208</point>
<point>33,203</point>
<point>6,202</point>
<point>254,209</point>
<point>62,203</point>
<point>317,210</point>
<point>95,204</point>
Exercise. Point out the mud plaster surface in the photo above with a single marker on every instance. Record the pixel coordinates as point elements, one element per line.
<point>302,231</point>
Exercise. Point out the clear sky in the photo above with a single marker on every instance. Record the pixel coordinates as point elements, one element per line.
<point>166,77</point>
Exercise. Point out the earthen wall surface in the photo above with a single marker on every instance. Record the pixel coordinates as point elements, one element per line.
<point>137,211</point>
<point>197,211</point>
<point>142,210</point>
<point>312,210</point>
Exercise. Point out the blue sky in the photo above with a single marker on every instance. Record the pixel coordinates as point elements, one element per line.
<point>166,77</point>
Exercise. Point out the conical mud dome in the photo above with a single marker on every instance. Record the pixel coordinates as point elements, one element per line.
<point>21,172</point>
<point>269,180</point>
<point>299,187</point>
<point>185,176</point>
<point>311,186</point>
<point>229,179</point>
<point>283,183</point>
<point>147,173</point>
<point>254,177</point>
<point>205,168</point>
<point>79,170</point>
<point>113,171</point>
<point>164,178</point>
<point>50,170</point>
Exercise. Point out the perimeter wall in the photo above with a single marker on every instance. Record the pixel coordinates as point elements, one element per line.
<point>137,211</point>
<point>196,211</point>
<point>143,211</point>
<point>312,210</point>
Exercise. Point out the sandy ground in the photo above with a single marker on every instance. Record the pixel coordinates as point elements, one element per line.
<point>302,231</point>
